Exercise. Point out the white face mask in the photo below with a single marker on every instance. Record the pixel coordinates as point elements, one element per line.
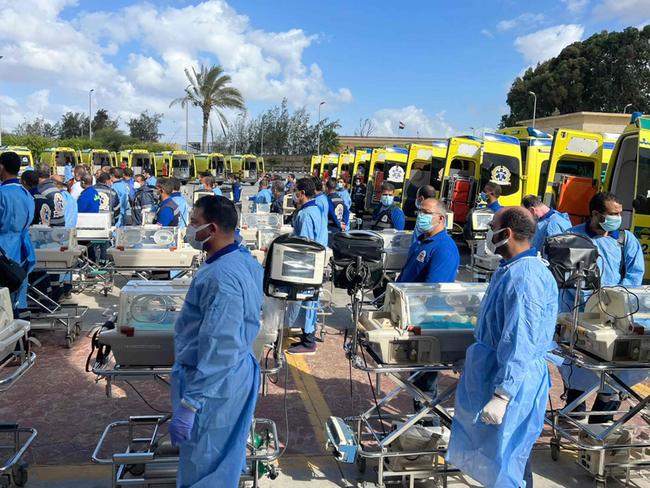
<point>136,184</point>
<point>492,247</point>
<point>190,236</point>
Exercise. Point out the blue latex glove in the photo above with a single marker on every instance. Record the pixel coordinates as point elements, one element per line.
<point>180,427</point>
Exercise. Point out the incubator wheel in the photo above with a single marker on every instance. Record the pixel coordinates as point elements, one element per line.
<point>68,342</point>
<point>77,328</point>
<point>19,474</point>
<point>555,450</point>
<point>136,469</point>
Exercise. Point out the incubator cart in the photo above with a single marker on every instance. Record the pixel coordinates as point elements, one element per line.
<point>482,263</point>
<point>611,339</point>
<point>396,248</point>
<point>138,345</point>
<point>421,328</point>
<point>146,250</point>
<point>95,230</point>
<point>58,258</point>
<point>16,358</point>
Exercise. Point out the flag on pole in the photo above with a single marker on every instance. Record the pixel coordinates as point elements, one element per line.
<point>401,125</point>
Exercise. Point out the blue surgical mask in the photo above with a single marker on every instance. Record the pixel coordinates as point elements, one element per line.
<point>482,196</point>
<point>423,223</point>
<point>612,223</point>
<point>387,200</point>
<point>339,186</point>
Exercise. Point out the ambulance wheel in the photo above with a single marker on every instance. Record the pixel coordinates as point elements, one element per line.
<point>362,465</point>
<point>19,474</point>
<point>555,450</point>
<point>68,342</point>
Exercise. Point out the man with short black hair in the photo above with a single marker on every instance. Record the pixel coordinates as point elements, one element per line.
<point>387,214</point>
<point>307,223</point>
<point>338,215</point>
<point>621,263</point>
<point>144,199</point>
<point>358,197</point>
<point>491,193</point>
<point>210,184</point>
<point>216,377</point>
<point>168,211</point>
<point>76,189</point>
<point>503,390</point>
<point>291,183</point>
<point>263,196</point>
<point>550,222</point>
<point>120,187</point>
<point>56,200</point>
<point>109,200</point>
<point>179,199</point>
<point>42,206</point>
<point>128,179</point>
<point>149,177</point>
<point>16,215</point>
<point>277,190</point>
<point>89,199</point>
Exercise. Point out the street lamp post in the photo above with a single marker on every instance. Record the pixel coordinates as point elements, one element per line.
<point>262,137</point>
<point>1,119</point>
<point>626,107</point>
<point>187,125</point>
<point>534,106</point>
<point>319,106</point>
<point>90,112</point>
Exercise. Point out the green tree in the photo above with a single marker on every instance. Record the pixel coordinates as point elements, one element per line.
<point>73,124</point>
<point>145,126</point>
<point>601,74</point>
<point>38,127</point>
<point>113,139</point>
<point>329,140</point>
<point>102,120</point>
<point>209,90</point>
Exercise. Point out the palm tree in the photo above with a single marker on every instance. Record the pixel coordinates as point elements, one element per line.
<point>209,90</point>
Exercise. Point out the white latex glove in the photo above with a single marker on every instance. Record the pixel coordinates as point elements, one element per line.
<point>494,411</point>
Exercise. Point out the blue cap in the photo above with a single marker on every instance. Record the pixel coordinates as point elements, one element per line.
<point>635,116</point>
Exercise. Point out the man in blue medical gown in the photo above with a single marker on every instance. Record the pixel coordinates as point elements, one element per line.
<point>502,393</point>
<point>215,377</point>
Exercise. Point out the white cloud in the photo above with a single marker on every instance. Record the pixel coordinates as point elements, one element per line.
<point>415,120</point>
<point>524,21</point>
<point>487,33</point>
<point>575,6</point>
<point>63,59</point>
<point>625,10</point>
<point>546,43</point>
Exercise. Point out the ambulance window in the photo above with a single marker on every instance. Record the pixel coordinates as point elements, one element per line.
<point>543,177</point>
<point>437,170</point>
<point>501,169</point>
<point>461,167</point>
<point>642,198</point>
<point>573,167</point>
<point>625,172</point>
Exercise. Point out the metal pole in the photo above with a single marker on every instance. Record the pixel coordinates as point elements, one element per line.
<point>319,106</point>
<point>0,129</point>
<point>90,113</point>
<point>262,137</point>
<point>625,108</point>
<point>534,106</point>
<point>187,122</point>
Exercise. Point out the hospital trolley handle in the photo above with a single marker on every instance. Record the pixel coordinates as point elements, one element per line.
<point>17,456</point>
<point>27,363</point>
<point>576,307</point>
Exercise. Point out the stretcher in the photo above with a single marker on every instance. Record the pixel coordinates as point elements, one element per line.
<point>16,359</point>
<point>609,339</point>
<point>137,344</point>
<point>408,447</point>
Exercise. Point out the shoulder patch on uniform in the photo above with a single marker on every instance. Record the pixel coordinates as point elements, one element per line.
<point>422,256</point>
<point>384,218</point>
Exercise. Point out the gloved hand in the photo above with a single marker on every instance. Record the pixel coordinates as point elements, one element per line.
<point>494,411</point>
<point>180,427</point>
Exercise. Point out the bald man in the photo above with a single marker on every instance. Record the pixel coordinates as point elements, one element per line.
<point>433,256</point>
<point>502,393</point>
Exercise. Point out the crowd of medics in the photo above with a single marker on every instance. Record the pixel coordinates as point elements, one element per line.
<point>502,393</point>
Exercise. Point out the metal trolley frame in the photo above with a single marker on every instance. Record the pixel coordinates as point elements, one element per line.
<point>374,443</point>
<point>13,470</point>
<point>567,428</point>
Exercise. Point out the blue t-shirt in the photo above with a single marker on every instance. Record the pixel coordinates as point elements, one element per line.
<point>431,260</point>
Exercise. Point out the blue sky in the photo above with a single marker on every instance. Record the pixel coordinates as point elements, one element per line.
<point>440,67</point>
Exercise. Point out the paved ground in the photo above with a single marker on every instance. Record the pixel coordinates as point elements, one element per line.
<point>70,410</point>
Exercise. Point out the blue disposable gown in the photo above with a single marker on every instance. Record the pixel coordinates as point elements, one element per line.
<point>183,209</point>
<point>16,215</point>
<point>609,263</point>
<point>122,190</point>
<point>323,203</point>
<point>70,214</point>
<point>514,332</point>
<point>151,181</point>
<point>263,196</point>
<point>215,370</point>
<point>306,223</point>
<point>345,195</point>
<point>551,224</point>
